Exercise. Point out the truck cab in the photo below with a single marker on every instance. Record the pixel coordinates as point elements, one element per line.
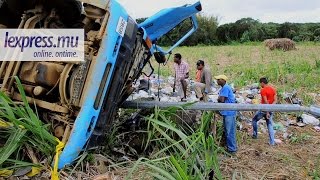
<point>84,96</point>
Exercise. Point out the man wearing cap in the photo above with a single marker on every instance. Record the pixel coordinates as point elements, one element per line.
<point>181,69</point>
<point>268,96</point>
<point>229,117</point>
<point>203,81</point>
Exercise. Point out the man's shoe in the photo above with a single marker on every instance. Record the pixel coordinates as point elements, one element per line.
<point>184,99</point>
<point>231,154</point>
<point>254,137</point>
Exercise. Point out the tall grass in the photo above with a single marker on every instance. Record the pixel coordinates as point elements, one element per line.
<point>245,64</point>
<point>23,128</point>
<point>179,152</point>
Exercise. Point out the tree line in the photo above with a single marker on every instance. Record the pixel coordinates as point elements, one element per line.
<point>243,30</point>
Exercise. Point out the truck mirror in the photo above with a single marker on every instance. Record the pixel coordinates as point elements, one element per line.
<point>160,57</point>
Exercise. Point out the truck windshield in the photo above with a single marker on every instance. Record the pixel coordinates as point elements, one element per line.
<point>175,34</point>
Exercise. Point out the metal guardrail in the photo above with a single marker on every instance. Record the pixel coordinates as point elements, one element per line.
<point>314,110</point>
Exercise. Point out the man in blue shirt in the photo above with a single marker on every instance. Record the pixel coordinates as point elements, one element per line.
<point>229,117</point>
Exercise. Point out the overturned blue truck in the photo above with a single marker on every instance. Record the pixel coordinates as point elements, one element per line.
<point>84,96</point>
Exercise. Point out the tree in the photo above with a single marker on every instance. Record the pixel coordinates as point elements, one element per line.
<point>270,31</point>
<point>223,33</point>
<point>245,37</point>
<point>243,30</point>
<point>288,30</point>
<point>316,32</point>
<point>205,34</point>
<point>140,20</point>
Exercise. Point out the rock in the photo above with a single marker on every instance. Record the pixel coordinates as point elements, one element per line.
<point>214,89</point>
<point>167,90</point>
<point>317,128</point>
<point>144,85</point>
<point>192,98</point>
<point>22,171</point>
<point>307,119</point>
<point>165,99</point>
<point>213,98</point>
<point>300,124</point>
<point>278,141</point>
<point>250,96</point>
<point>240,100</point>
<point>107,176</point>
<point>254,86</point>
<point>171,80</point>
<point>169,99</point>
<point>255,101</point>
<point>254,91</point>
<point>246,92</point>
<point>248,101</point>
<point>278,126</point>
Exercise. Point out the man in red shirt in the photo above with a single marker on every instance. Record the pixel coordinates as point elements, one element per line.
<point>268,96</point>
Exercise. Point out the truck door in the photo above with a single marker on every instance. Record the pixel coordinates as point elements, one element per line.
<point>166,20</point>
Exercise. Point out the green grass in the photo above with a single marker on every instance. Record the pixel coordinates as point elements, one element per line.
<point>246,63</point>
<point>299,139</point>
<point>25,129</point>
<point>316,171</point>
<point>181,152</point>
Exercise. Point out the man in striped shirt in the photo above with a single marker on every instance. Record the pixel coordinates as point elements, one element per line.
<point>181,69</point>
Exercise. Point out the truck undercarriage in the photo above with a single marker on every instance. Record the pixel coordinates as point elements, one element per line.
<point>82,96</point>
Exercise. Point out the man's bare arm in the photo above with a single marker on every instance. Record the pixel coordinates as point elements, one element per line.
<point>187,75</point>
<point>221,99</point>
<point>275,99</point>
<point>265,100</point>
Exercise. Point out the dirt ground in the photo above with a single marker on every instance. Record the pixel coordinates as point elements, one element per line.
<point>298,159</point>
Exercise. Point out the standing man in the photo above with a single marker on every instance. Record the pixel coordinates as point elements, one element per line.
<point>268,96</point>
<point>203,81</point>
<point>229,117</point>
<point>181,69</point>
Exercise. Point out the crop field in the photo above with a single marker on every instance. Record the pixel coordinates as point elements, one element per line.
<point>165,148</point>
<point>245,64</point>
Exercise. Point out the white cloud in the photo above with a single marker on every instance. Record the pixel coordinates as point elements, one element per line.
<point>231,10</point>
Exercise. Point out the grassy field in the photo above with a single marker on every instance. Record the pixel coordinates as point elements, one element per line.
<point>245,64</point>
<point>176,151</point>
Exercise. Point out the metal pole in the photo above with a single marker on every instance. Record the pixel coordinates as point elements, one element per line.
<point>314,110</point>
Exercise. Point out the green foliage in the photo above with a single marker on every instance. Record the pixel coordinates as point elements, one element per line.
<point>304,36</point>
<point>316,39</point>
<point>316,32</point>
<point>316,171</point>
<point>288,30</point>
<point>245,37</point>
<point>140,20</point>
<point>298,139</point>
<point>206,34</point>
<point>13,143</point>
<point>318,64</point>
<point>243,30</point>
<point>270,31</point>
<point>25,129</point>
<point>179,155</point>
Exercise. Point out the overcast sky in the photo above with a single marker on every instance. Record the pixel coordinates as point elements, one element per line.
<point>231,10</point>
